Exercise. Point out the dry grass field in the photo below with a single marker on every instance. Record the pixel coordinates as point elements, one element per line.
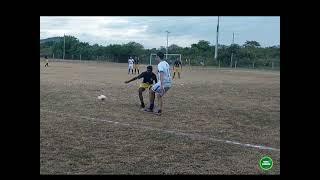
<point>213,122</point>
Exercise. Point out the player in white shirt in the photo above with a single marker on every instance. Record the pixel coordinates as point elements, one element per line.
<point>162,86</point>
<point>130,62</point>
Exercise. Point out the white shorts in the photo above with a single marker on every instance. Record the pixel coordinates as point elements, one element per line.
<point>130,66</point>
<point>156,88</point>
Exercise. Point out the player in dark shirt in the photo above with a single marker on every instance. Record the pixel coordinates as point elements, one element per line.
<point>47,61</point>
<point>177,67</point>
<point>148,78</point>
<point>136,65</point>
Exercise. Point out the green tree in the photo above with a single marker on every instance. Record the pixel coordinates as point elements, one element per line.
<point>251,47</point>
<point>252,44</point>
<point>249,54</point>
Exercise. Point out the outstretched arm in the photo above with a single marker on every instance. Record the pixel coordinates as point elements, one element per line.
<point>135,78</point>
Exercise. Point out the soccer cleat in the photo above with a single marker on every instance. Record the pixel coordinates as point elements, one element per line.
<point>148,110</point>
<point>142,106</point>
<point>158,112</point>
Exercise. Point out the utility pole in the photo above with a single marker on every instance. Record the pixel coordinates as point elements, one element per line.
<point>232,50</point>
<point>64,45</point>
<point>216,51</point>
<point>167,45</point>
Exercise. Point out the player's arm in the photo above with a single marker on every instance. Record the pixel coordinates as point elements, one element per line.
<point>155,78</point>
<point>161,79</point>
<point>135,78</point>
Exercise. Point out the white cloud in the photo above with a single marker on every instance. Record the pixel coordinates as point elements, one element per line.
<point>150,31</point>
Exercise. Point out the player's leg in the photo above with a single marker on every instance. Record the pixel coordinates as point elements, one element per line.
<point>174,73</point>
<point>179,74</point>
<point>129,70</point>
<point>141,89</point>
<point>151,98</point>
<point>159,104</point>
<point>155,88</point>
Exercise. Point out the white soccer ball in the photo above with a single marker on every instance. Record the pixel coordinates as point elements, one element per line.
<point>102,97</point>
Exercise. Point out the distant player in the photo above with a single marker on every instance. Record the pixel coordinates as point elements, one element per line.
<point>130,62</point>
<point>47,61</point>
<point>202,64</point>
<point>177,68</point>
<point>136,65</point>
<point>163,84</point>
<point>148,78</point>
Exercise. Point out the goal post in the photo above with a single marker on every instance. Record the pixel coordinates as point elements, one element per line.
<point>170,58</point>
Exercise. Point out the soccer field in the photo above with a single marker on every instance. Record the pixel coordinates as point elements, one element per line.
<point>213,122</point>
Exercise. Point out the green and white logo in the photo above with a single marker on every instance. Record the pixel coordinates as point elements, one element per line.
<point>266,163</point>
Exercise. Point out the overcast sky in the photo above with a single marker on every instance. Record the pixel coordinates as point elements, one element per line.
<point>150,30</point>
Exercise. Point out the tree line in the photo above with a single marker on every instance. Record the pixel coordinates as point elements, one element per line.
<point>250,54</point>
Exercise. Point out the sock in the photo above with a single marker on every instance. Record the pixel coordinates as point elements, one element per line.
<point>151,106</point>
